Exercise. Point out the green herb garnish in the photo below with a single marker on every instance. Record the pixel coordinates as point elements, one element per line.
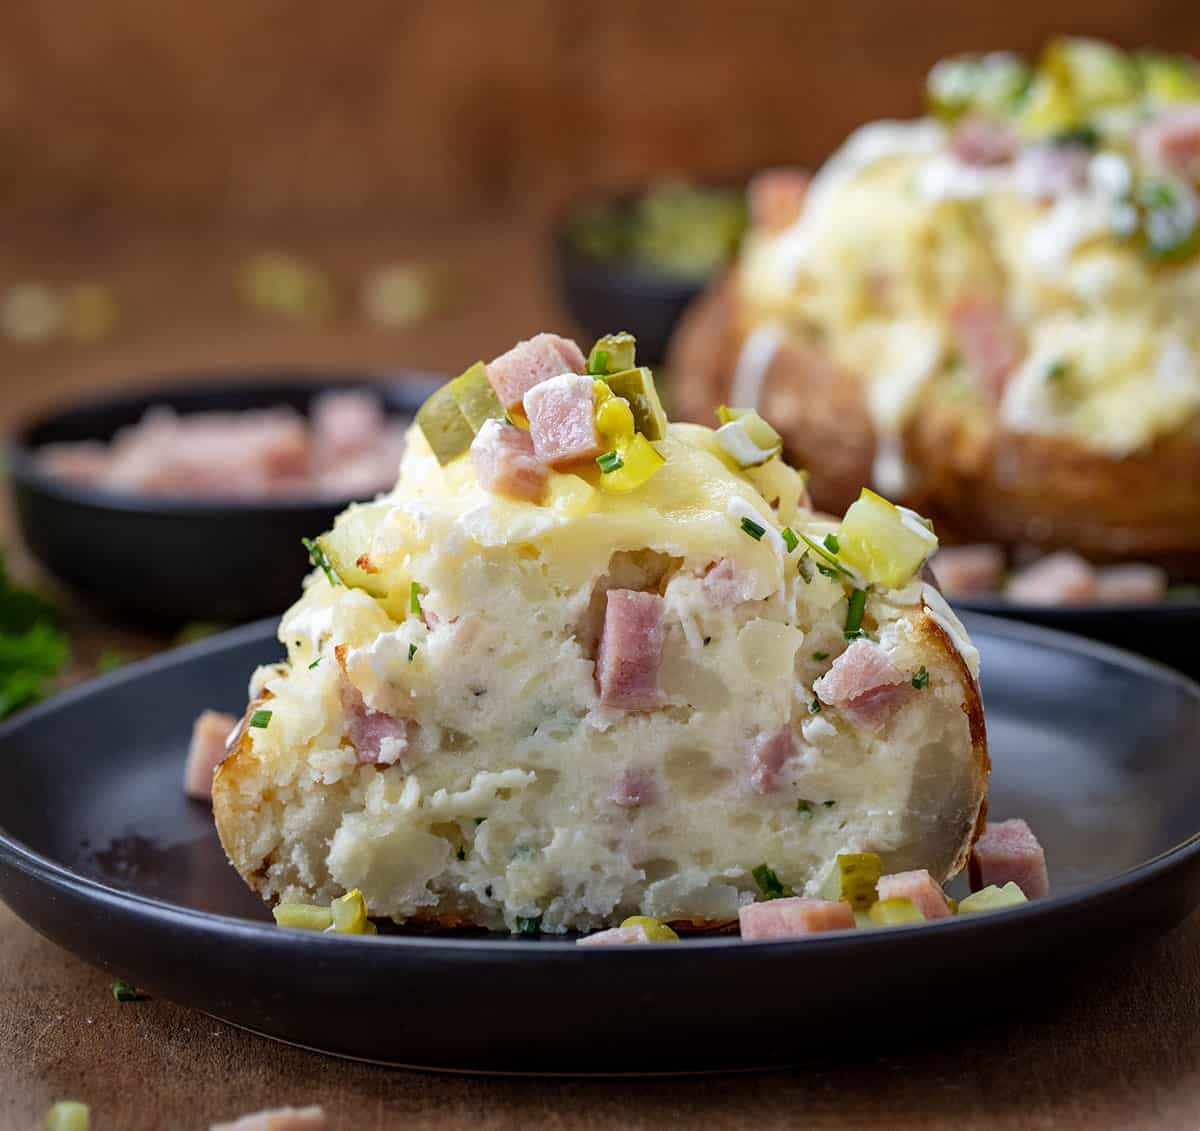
<point>414,598</point>
<point>123,991</point>
<point>832,544</point>
<point>597,363</point>
<point>855,608</point>
<point>768,882</point>
<point>753,529</point>
<point>531,925</point>
<point>261,719</point>
<point>610,461</point>
<point>789,538</point>
<point>320,559</point>
<point>921,679</point>
<point>803,806</point>
<point>829,804</point>
<point>412,651</point>
<point>315,662</point>
<point>1058,370</point>
<point>814,708</point>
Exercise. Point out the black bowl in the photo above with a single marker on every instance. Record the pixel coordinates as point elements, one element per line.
<point>606,295</point>
<point>164,561</point>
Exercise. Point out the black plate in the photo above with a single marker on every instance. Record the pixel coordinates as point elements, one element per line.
<point>164,561</point>
<point>100,851</point>
<point>1169,632</point>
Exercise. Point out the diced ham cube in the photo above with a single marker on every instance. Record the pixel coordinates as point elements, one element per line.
<point>767,755</point>
<point>616,936</point>
<point>634,788</point>
<point>531,362</point>
<point>1171,141</point>
<point>979,140</point>
<point>379,739</point>
<point>864,685</point>
<point>210,735</point>
<point>311,1118</point>
<point>84,462</point>
<point>725,584</point>
<point>345,424</point>
<point>918,886</point>
<point>630,651</point>
<point>1063,578</point>
<point>988,341</point>
<point>505,464</point>
<point>776,197</point>
<point>1130,584</point>
<point>1009,852</point>
<point>793,918</point>
<point>562,420</point>
<point>967,571</point>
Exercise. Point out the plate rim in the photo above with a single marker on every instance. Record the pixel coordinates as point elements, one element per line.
<point>40,868</point>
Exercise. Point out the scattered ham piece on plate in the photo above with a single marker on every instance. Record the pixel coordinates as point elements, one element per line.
<point>968,571</point>
<point>987,340</point>
<point>630,651</point>
<point>864,685</point>
<point>531,362</point>
<point>918,886</point>
<point>210,733</point>
<point>776,197</point>
<point>1008,851</point>
<point>793,917</point>
<point>616,936</point>
<point>1063,578</point>
<point>311,1118</point>
<point>634,788</point>
<point>978,140</point>
<point>767,755</point>
<point>1171,141</point>
<point>346,424</point>
<point>562,420</point>
<point>505,464</point>
<point>1130,584</point>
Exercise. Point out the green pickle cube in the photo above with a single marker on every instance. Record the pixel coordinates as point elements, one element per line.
<point>475,397</point>
<point>893,912</point>
<point>613,353</point>
<point>637,387</point>
<point>858,873</point>
<point>446,429</point>
<point>992,898</point>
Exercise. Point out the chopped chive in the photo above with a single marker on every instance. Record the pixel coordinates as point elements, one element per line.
<point>829,804</point>
<point>804,567</point>
<point>829,571</point>
<point>820,655</point>
<point>768,882</point>
<point>753,529</point>
<point>597,364</point>
<point>789,538</point>
<point>855,608</point>
<point>834,568</point>
<point>803,806</point>
<point>921,679</point>
<point>858,634</point>
<point>529,925</point>
<point>414,598</point>
<point>315,662</point>
<point>832,544</point>
<point>610,461</point>
<point>123,991</point>
<point>814,708</point>
<point>260,719</point>
<point>412,651</point>
<point>320,559</point>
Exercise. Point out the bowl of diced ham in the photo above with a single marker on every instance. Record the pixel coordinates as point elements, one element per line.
<point>189,501</point>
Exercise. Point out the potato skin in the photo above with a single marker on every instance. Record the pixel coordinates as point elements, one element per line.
<point>977,479</point>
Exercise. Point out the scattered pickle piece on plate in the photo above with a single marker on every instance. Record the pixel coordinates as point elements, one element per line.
<point>350,914</point>
<point>303,916</point>
<point>885,543</point>
<point>992,898</point>
<point>893,912</point>
<point>858,874</point>
<point>655,931</point>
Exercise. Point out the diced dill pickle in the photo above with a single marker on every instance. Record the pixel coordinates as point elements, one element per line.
<point>1096,73</point>
<point>746,437</point>
<point>68,1115</point>
<point>1169,78</point>
<point>892,912</point>
<point>638,388</point>
<point>991,84</point>
<point>350,913</point>
<point>1049,107</point>
<point>858,873</point>
<point>863,919</point>
<point>885,543</point>
<point>475,397</point>
<point>655,931</point>
<point>992,898</point>
<point>304,916</point>
<point>639,463</point>
<point>616,351</point>
<point>446,429</point>
<point>348,544</point>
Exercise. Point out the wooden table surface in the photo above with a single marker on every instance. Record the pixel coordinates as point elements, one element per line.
<point>1120,1052</point>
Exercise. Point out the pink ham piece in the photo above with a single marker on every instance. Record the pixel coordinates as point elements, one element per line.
<point>562,420</point>
<point>1171,141</point>
<point>864,685</point>
<point>1130,584</point>
<point>1057,579</point>
<point>378,739</point>
<point>967,571</point>
<point>630,651</point>
<point>921,888</point>
<point>345,424</point>
<point>616,936</point>
<point>311,1118</point>
<point>987,340</point>
<point>634,788</point>
<point>793,918</point>
<point>725,584</point>
<point>1009,852</point>
<point>767,755</point>
<point>531,362</point>
<point>505,464</point>
<point>982,141</point>
<point>210,734</point>
<point>776,197</point>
